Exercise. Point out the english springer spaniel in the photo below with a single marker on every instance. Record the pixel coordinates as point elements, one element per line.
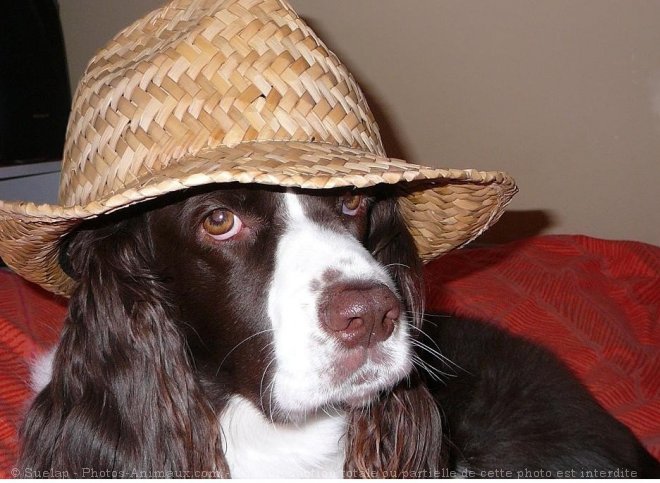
<point>249,331</point>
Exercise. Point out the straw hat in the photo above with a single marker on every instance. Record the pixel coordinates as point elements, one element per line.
<point>217,91</point>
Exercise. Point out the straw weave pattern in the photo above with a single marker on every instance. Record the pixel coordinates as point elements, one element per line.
<point>194,75</point>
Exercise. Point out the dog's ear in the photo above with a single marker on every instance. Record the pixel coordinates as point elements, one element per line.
<point>123,396</point>
<point>400,434</point>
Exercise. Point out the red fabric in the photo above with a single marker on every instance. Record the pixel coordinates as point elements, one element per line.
<point>30,319</point>
<point>595,303</point>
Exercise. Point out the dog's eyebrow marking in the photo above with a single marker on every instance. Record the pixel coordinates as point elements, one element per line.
<point>293,206</point>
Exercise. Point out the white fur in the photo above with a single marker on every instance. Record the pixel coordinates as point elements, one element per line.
<point>41,370</point>
<point>305,353</point>
<point>258,448</point>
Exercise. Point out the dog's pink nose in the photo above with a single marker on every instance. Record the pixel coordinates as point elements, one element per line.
<point>359,316</point>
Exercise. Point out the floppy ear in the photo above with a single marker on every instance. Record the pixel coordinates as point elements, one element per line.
<point>400,434</point>
<point>123,396</point>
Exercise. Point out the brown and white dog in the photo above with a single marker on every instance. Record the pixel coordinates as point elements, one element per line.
<point>247,331</point>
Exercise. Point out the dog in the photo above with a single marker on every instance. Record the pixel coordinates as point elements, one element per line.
<point>247,331</point>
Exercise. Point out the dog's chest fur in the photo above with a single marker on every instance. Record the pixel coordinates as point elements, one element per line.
<point>256,446</point>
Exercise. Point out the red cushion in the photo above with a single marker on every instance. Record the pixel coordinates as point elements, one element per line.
<point>595,303</point>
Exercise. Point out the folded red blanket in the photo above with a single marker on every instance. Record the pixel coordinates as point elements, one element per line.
<point>595,303</point>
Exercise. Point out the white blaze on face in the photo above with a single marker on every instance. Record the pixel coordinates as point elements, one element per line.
<point>306,355</point>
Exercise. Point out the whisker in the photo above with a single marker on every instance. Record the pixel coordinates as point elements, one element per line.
<point>397,265</point>
<point>437,352</point>
<point>437,355</point>
<point>433,372</point>
<point>238,345</point>
<point>270,389</point>
<point>328,409</point>
<point>261,384</point>
<point>267,346</point>
<point>434,352</point>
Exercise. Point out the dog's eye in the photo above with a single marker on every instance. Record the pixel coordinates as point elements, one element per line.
<point>351,204</point>
<point>222,224</point>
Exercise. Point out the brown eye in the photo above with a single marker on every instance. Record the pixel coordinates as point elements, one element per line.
<point>222,224</point>
<point>351,204</point>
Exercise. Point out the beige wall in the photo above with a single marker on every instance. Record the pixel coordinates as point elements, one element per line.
<point>564,94</point>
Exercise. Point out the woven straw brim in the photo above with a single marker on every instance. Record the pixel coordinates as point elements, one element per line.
<point>449,208</point>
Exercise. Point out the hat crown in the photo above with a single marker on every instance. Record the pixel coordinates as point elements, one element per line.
<point>199,74</point>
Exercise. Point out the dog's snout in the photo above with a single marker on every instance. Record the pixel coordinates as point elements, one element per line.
<point>359,316</point>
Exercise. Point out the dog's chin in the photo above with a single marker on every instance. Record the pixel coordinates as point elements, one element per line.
<point>366,385</point>
<point>362,396</point>
<point>357,380</point>
<point>360,375</point>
